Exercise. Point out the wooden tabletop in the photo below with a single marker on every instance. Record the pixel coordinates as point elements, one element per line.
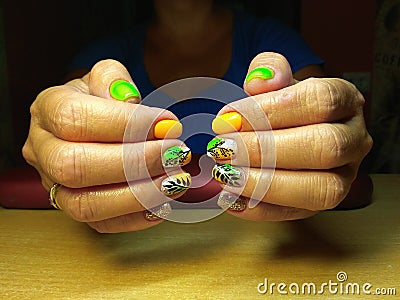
<point>45,255</point>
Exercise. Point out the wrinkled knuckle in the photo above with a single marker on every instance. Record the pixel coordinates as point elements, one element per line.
<point>81,208</point>
<point>67,165</point>
<point>329,99</point>
<point>334,192</point>
<point>69,120</point>
<point>335,146</point>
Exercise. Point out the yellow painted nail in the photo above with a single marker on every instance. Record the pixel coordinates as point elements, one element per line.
<point>228,122</point>
<point>167,129</point>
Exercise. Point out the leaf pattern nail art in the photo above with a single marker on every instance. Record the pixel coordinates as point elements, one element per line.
<point>176,183</point>
<point>220,148</point>
<point>228,174</point>
<point>176,156</point>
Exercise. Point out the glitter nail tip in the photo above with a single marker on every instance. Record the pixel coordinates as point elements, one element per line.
<point>159,212</point>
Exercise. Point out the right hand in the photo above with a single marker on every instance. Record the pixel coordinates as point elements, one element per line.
<point>76,139</point>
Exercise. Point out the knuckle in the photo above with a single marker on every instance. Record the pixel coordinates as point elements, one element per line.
<point>66,165</point>
<point>334,145</point>
<point>81,208</point>
<point>68,120</point>
<point>333,191</point>
<point>328,98</point>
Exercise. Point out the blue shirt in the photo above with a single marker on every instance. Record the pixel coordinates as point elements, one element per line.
<point>251,36</point>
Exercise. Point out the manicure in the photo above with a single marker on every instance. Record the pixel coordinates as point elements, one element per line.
<point>228,122</point>
<point>176,156</point>
<point>220,148</point>
<point>123,90</point>
<point>167,129</point>
<point>260,73</point>
<point>158,213</point>
<point>176,184</point>
<point>228,174</point>
<point>231,202</point>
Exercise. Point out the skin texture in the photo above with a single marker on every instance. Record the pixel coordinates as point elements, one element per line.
<point>76,127</point>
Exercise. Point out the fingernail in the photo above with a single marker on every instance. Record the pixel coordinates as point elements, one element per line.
<point>228,122</point>
<point>261,73</point>
<point>167,129</point>
<point>231,201</point>
<point>123,90</point>
<point>220,148</point>
<point>176,156</point>
<point>228,174</point>
<point>158,213</point>
<point>176,183</point>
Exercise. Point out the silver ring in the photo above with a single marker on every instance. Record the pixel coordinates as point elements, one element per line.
<point>52,197</point>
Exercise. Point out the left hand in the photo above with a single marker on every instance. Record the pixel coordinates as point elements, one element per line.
<point>320,140</point>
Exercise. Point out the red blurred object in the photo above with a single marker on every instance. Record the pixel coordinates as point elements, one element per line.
<point>22,188</point>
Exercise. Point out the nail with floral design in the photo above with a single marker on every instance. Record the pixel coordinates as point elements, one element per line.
<point>176,156</point>
<point>175,184</point>
<point>220,148</point>
<point>228,174</point>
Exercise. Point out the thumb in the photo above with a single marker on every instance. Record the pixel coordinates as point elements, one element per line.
<point>268,72</point>
<point>111,80</point>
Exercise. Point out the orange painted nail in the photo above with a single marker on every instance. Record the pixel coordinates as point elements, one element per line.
<point>228,122</point>
<point>167,129</point>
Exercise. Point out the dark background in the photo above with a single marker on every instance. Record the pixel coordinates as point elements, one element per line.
<point>42,36</point>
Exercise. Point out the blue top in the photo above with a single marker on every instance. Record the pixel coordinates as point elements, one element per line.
<point>251,36</point>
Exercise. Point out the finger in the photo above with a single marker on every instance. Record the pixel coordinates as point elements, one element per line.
<point>318,146</point>
<point>311,190</point>
<point>73,116</point>
<point>88,164</point>
<point>108,201</point>
<point>130,222</point>
<point>308,102</point>
<point>268,72</point>
<point>109,79</point>
<point>262,212</point>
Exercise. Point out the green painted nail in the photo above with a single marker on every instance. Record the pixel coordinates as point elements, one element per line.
<point>261,72</point>
<point>176,156</point>
<point>122,90</point>
<point>219,148</point>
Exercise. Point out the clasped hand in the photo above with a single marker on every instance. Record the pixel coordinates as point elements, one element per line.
<point>77,132</point>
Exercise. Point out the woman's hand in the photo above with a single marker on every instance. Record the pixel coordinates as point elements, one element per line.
<point>320,139</point>
<point>76,139</point>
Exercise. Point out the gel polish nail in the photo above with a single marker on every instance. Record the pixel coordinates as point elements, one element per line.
<point>176,156</point>
<point>228,122</point>
<point>158,213</point>
<point>260,73</point>
<point>167,129</point>
<point>231,202</point>
<point>228,174</point>
<point>220,148</point>
<point>123,90</point>
<point>175,184</point>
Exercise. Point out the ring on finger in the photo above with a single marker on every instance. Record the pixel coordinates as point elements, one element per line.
<point>52,197</point>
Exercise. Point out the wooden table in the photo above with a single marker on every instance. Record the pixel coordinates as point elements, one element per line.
<point>45,255</point>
